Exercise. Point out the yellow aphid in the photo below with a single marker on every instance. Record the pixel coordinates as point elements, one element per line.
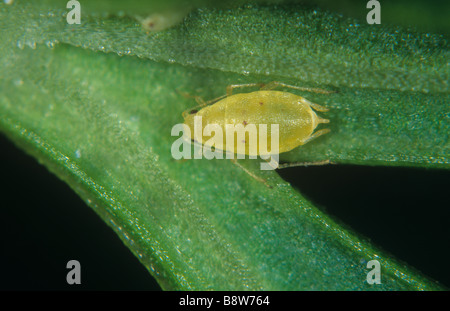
<point>294,115</point>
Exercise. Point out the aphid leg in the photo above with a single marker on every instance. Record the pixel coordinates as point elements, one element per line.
<point>304,141</point>
<point>275,84</point>
<point>231,87</point>
<point>250,173</point>
<point>294,164</point>
<point>314,136</point>
<point>314,105</point>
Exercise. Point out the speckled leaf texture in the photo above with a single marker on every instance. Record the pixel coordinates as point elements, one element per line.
<point>96,103</point>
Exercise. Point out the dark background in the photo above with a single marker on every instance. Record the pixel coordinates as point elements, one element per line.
<point>44,224</point>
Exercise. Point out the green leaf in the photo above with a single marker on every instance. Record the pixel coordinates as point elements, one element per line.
<point>102,123</point>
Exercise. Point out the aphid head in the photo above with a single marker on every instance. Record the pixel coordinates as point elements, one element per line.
<point>189,118</point>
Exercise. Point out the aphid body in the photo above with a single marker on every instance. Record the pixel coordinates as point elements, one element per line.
<point>294,115</point>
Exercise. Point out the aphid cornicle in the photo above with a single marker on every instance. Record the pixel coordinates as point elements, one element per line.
<point>293,113</point>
